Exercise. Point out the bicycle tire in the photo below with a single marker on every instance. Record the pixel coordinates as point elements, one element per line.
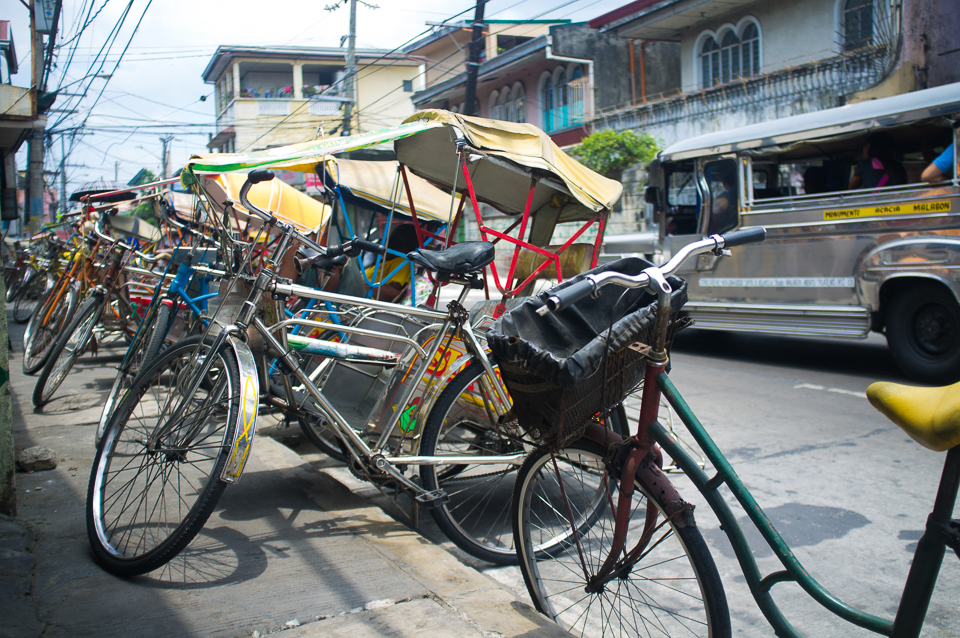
<point>463,420</point>
<point>28,297</point>
<point>142,351</point>
<point>13,279</point>
<point>40,336</point>
<point>145,505</point>
<point>68,348</point>
<point>674,589</point>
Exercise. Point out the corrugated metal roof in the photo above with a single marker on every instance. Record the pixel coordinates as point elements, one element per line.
<point>890,111</point>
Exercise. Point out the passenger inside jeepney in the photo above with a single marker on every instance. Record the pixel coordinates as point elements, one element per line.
<point>880,165</point>
<point>723,212</point>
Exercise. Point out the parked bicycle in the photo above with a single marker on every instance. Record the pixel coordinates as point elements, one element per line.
<point>184,430</point>
<point>577,495</point>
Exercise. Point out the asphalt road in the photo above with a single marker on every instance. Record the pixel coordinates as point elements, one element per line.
<point>847,489</point>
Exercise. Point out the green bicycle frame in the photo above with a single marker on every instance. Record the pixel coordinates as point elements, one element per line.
<point>923,572</point>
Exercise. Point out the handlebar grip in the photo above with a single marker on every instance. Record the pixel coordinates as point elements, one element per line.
<point>744,237</point>
<point>369,246</point>
<point>261,175</point>
<point>560,299</point>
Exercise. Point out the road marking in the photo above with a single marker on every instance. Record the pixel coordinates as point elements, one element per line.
<point>811,386</point>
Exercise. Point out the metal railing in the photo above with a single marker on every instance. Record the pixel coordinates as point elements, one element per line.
<point>829,78</point>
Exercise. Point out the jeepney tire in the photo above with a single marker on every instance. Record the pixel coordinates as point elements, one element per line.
<point>923,332</point>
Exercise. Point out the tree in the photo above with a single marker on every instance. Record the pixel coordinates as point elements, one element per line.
<point>609,152</point>
<point>145,210</point>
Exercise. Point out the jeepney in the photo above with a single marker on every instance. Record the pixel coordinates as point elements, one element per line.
<point>836,262</point>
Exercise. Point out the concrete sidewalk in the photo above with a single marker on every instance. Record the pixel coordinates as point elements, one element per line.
<point>288,549</point>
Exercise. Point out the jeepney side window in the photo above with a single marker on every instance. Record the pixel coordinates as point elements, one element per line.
<point>724,197</point>
<point>683,200</point>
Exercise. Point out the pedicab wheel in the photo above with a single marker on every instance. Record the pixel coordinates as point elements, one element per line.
<point>476,516</point>
<point>156,475</point>
<point>68,348</point>
<point>564,535</point>
<point>44,328</point>
<point>29,297</point>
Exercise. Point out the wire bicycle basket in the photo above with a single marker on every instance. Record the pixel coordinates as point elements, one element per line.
<point>565,368</point>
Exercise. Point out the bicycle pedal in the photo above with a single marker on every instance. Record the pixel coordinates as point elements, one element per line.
<point>436,498</point>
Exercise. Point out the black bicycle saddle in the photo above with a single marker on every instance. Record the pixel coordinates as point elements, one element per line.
<point>464,258</point>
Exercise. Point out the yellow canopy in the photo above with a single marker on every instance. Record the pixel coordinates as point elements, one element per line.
<point>380,184</point>
<point>502,157</point>
<point>283,200</point>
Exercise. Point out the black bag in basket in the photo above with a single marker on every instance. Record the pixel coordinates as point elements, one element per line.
<point>551,364</point>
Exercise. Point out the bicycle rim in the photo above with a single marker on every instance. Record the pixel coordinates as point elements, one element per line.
<point>672,590</point>
<point>155,482</point>
<point>65,353</point>
<point>476,516</point>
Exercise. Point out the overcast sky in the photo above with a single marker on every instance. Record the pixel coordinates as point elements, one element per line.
<point>156,88</point>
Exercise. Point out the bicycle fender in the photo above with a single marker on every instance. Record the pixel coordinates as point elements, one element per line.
<point>246,424</point>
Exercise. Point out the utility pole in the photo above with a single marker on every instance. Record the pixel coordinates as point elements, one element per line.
<point>351,77</point>
<point>33,215</point>
<point>473,64</point>
<point>63,175</point>
<point>166,155</point>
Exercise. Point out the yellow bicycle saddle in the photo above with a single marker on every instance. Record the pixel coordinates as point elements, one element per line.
<point>931,416</point>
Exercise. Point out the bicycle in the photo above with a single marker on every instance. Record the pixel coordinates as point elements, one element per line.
<point>108,308</point>
<point>184,429</point>
<point>574,498</point>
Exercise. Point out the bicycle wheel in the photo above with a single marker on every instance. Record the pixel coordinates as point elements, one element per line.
<point>673,589</point>
<point>45,327</point>
<point>464,421</point>
<point>13,279</point>
<point>29,297</point>
<point>68,349</point>
<point>141,350</point>
<point>156,479</point>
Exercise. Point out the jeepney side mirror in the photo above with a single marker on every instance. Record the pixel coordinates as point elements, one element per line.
<point>651,195</point>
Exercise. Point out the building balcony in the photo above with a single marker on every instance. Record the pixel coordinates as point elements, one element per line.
<point>830,79</point>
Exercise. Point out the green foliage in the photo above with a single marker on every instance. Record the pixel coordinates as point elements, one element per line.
<point>145,210</point>
<point>609,151</point>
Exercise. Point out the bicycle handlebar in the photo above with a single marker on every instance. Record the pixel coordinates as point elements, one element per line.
<point>591,284</point>
<point>350,248</point>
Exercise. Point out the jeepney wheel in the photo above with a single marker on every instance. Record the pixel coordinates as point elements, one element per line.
<point>923,332</point>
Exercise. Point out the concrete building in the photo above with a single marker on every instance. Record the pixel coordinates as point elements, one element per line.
<point>272,96</point>
<point>18,118</point>
<point>747,61</point>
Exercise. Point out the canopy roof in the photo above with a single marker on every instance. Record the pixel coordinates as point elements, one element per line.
<point>502,158</point>
<point>302,157</point>
<point>377,185</point>
<point>844,120</point>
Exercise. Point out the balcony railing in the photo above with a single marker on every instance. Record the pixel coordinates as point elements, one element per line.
<point>841,75</point>
<point>318,91</point>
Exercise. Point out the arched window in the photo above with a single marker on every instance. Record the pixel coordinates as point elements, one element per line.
<point>732,56</point>
<point>578,89</point>
<point>495,112</point>
<point>710,62</point>
<point>562,119</point>
<point>546,103</point>
<point>729,57</point>
<point>750,50</point>
<point>518,102</point>
<point>504,105</point>
<point>857,24</point>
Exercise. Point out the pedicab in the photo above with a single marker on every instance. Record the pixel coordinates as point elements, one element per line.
<point>517,170</point>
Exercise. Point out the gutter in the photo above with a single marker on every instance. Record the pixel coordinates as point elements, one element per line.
<point>587,61</point>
